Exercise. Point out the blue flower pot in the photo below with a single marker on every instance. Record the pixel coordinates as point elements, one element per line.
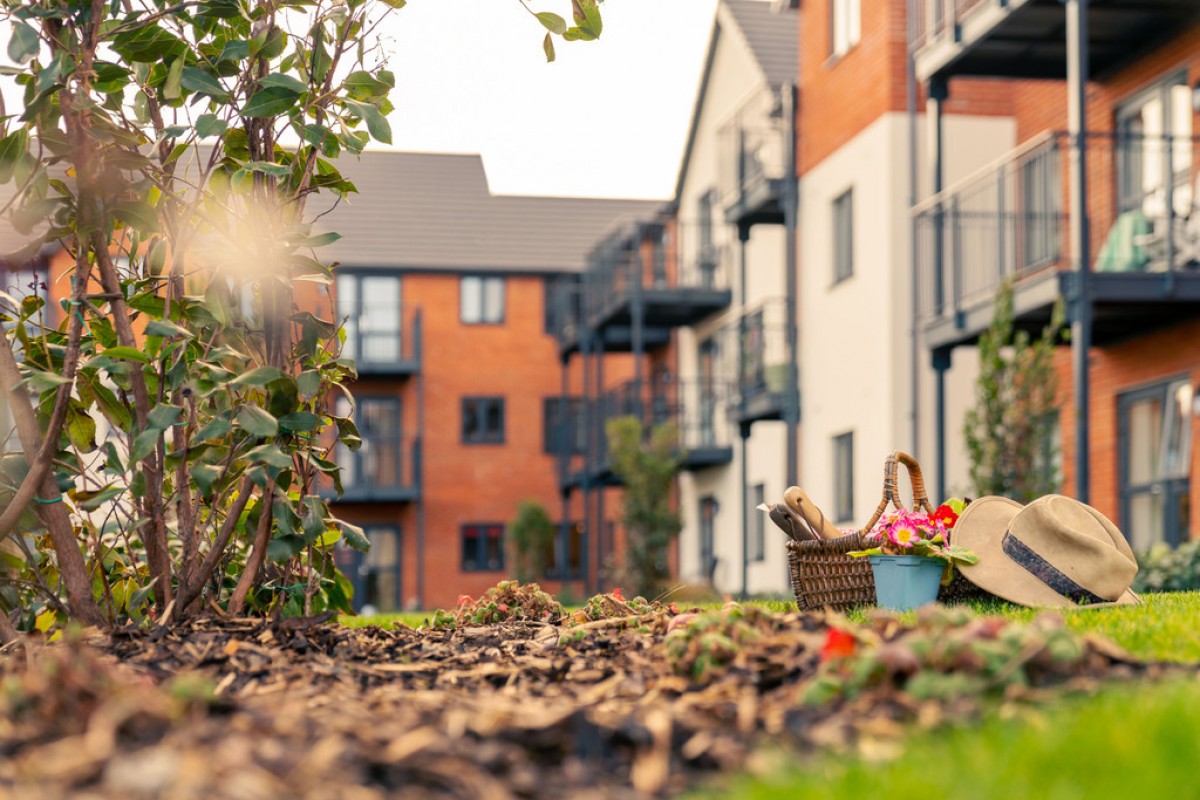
<point>904,582</point>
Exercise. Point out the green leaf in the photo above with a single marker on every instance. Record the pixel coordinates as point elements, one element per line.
<point>377,124</point>
<point>174,74</point>
<point>312,517</point>
<point>318,241</point>
<point>167,329</point>
<point>269,168</point>
<point>260,376</point>
<point>257,422</point>
<point>210,125</point>
<point>137,215</point>
<point>548,47</point>
<point>216,428</point>
<point>24,43</point>
<point>300,421</point>
<point>90,501</point>
<point>282,548</point>
<point>81,429</point>
<point>127,354</point>
<point>13,149</point>
<point>553,22</point>
<point>144,444</point>
<point>269,454</point>
<point>354,536</point>
<point>41,380</point>
<point>197,80</point>
<point>205,475</point>
<point>286,82</point>
<point>309,383</point>
<point>270,102</point>
<point>163,416</point>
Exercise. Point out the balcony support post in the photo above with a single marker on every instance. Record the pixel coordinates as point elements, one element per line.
<point>791,405</point>
<point>941,363</point>
<point>744,431</point>
<point>938,91</point>
<point>1080,302</point>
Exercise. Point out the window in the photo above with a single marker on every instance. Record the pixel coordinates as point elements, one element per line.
<point>370,307</point>
<point>481,300</point>
<point>572,536</point>
<point>379,577</point>
<point>843,477</point>
<point>708,393</point>
<point>753,370</point>
<point>845,25</point>
<point>843,236</point>
<point>758,525</point>
<point>563,431</point>
<point>482,547</point>
<point>483,420</point>
<point>1154,439</point>
<point>377,463</point>
<point>708,526</point>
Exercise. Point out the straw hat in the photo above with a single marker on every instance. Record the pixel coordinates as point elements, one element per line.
<point>1053,552</point>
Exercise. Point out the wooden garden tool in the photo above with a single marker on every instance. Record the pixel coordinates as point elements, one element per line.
<point>799,501</point>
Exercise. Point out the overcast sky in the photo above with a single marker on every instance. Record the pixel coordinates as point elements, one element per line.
<point>607,118</point>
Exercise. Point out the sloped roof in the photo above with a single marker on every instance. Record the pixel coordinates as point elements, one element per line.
<point>773,34</point>
<point>425,210</point>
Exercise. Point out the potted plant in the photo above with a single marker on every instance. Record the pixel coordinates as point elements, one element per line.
<point>914,555</point>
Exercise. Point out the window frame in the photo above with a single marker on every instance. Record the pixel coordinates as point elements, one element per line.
<point>843,494</point>
<point>353,462</point>
<point>484,437</point>
<point>572,425</point>
<point>479,535</point>
<point>484,280</point>
<point>707,535</point>
<point>842,209</point>
<point>1170,485</point>
<point>356,335</point>
<point>844,15</point>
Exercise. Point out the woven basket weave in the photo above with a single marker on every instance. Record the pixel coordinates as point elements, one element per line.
<point>823,576</point>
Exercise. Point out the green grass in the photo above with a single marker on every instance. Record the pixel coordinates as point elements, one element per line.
<point>1163,628</point>
<point>1128,741</point>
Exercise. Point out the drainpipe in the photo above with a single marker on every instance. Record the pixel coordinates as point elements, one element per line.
<point>1080,301</point>
<point>938,91</point>
<point>743,427</point>
<point>745,434</point>
<point>791,201</point>
<point>914,399</point>
<point>420,478</point>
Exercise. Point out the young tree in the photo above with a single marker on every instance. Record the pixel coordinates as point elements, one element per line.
<point>1010,433</point>
<point>173,151</point>
<point>530,537</point>
<point>647,466</point>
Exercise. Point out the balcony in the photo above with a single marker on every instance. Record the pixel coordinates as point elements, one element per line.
<point>383,470</point>
<point>754,162</point>
<point>759,338</point>
<point>385,345</point>
<point>693,406</point>
<point>1027,38</point>
<point>650,278</point>
<point>1012,221</point>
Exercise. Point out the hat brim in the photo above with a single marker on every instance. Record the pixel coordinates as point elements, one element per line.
<point>980,528</point>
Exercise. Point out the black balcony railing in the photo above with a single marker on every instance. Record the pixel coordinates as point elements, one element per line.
<point>754,161</point>
<point>758,340</point>
<point>389,344</point>
<point>678,271</point>
<point>383,469</point>
<point>1012,220</point>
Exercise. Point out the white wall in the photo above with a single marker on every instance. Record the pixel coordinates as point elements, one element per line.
<point>856,336</point>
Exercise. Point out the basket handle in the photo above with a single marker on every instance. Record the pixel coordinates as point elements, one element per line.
<point>799,501</point>
<point>891,492</point>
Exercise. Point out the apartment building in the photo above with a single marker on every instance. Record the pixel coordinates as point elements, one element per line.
<point>445,292</point>
<point>1096,204</point>
<point>866,386</point>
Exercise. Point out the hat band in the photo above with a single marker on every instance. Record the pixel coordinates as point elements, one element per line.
<point>1046,572</point>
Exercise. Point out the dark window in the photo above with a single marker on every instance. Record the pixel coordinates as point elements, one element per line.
<point>481,299</point>
<point>369,305</point>
<point>708,527</point>
<point>843,477</point>
<point>843,236</point>
<point>379,577</point>
<point>482,547</point>
<point>758,526</point>
<point>563,432</point>
<point>752,351</point>
<point>483,420</point>
<point>1154,439</point>
<point>378,461</point>
<point>571,538</point>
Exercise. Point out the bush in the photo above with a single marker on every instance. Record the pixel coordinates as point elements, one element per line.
<point>1166,569</point>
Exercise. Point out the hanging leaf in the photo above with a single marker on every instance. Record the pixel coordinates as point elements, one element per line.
<point>270,102</point>
<point>24,43</point>
<point>197,80</point>
<point>81,429</point>
<point>209,125</point>
<point>174,74</point>
<point>548,47</point>
<point>260,376</point>
<point>256,421</point>
<point>354,536</point>
<point>553,22</point>
<point>377,124</point>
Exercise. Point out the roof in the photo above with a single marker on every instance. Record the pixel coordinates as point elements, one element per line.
<point>425,210</point>
<point>772,32</point>
<point>435,211</point>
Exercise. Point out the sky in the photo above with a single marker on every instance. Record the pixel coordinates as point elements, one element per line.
<point>607,118</point>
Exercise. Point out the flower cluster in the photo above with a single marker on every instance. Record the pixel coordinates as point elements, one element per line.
<point>903,532</point>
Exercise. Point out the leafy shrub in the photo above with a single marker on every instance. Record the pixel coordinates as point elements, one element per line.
<point>1166,569</point>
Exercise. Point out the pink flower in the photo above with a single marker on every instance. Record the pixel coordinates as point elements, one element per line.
<point>903,534</point>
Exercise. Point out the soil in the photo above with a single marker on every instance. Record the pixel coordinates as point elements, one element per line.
<point>644,704</point>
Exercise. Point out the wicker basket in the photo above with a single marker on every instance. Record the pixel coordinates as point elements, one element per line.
<point>823,576</point>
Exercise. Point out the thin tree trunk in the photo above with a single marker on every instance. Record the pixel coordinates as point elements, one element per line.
<point>254,563</point>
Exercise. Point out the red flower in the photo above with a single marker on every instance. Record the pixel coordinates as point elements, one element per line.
<point>945,515</point>
<point>463,599</point>
<point>673,608</point>
<point>503,608</point>
<point>838,644</point>
<point>616,593</point>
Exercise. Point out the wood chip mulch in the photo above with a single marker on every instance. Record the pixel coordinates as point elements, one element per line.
<point>647,705</point>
